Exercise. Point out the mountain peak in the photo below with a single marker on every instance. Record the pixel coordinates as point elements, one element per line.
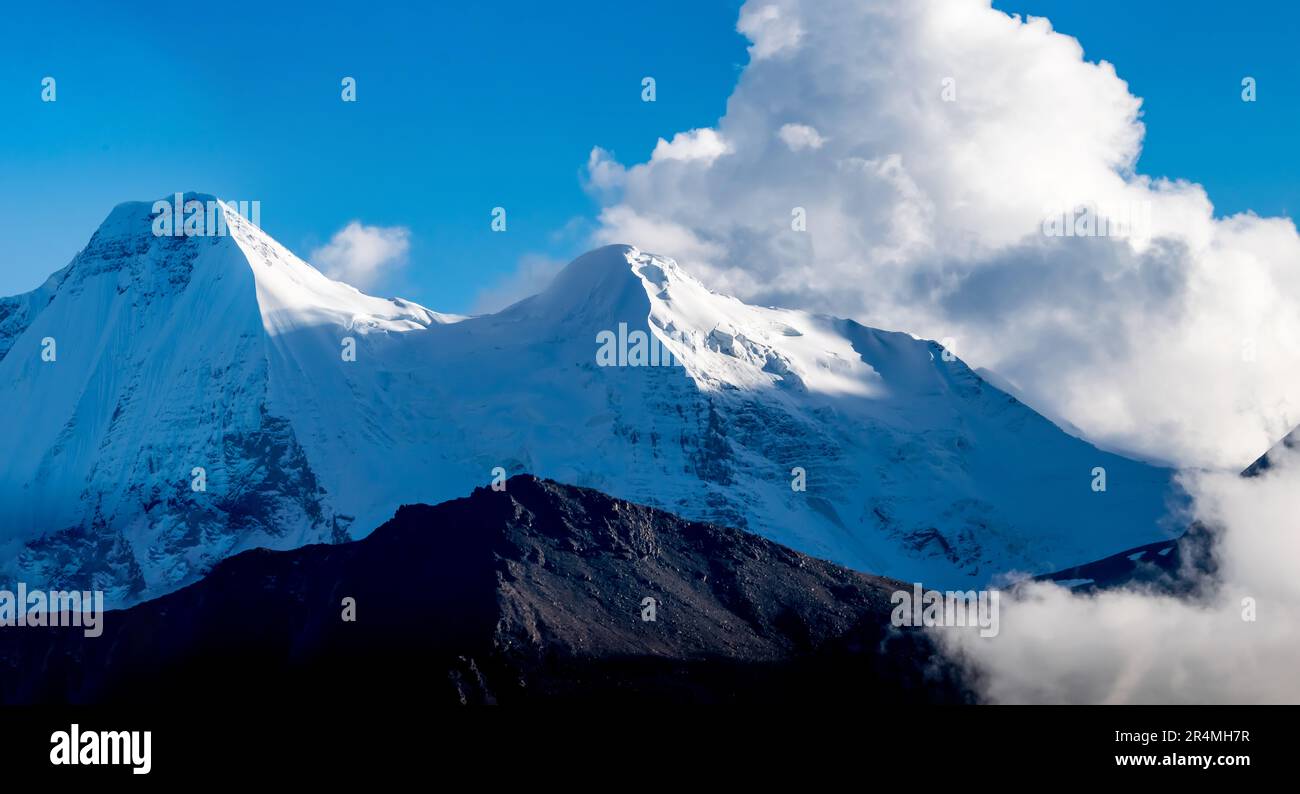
<point>136,218</point>
<point>311,410</point>
<point>168,238</point>
<point>154,245</point>
<point>611,284</point>
<point>604,277</point>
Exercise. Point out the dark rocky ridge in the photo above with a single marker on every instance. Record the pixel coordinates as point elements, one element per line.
<point>1185,565</point>
<point>531,594</point>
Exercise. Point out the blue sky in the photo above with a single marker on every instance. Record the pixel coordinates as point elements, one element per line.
<point>463,107</point>
<point>1183,60</point>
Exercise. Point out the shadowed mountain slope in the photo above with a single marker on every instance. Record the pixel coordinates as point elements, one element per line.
<point>534,593</point>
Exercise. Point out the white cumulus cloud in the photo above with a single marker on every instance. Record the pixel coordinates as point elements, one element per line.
<point>771,28</point>
<point>800,136</point>
<point>363,255</point>
<point>702,145</point>
<point>1178,342</point>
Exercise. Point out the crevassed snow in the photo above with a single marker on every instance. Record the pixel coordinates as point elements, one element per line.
<point>227,353</point>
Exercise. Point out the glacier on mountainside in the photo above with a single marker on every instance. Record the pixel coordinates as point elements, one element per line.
<point>314,411</point>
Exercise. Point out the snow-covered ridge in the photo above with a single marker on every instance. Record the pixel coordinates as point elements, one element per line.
<point>314,410</point>
<point>293,294</point>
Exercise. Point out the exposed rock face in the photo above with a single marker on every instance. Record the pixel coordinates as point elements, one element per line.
<point>536,593</point>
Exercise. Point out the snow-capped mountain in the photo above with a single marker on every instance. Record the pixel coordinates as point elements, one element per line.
<point>172,400</point>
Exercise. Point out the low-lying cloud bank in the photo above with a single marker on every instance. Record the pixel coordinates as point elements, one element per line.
<point>1239,645</point>
<point>901,162</point>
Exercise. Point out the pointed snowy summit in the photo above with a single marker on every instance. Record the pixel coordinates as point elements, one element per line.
<point>209,394</point>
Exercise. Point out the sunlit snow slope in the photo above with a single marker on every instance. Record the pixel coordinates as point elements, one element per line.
<point>233,355</point>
